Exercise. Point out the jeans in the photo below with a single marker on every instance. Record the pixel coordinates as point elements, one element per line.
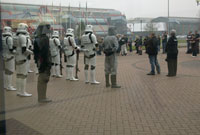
<point>154,63</point>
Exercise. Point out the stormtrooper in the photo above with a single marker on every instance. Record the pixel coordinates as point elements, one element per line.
<point>9,58</point>
<point>22,51</point>
<point>89,42</point>
<point>110,46</point>
<point>55,54</point>
<point>70,48</point>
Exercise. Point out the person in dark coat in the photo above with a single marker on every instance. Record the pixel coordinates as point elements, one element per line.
<point>193,45</point>
<point>43,59</point>
<point>197,36</point>
<point>158,38</point>
<point>164,41</point>
<point>152,51</point>
<point>172,54</point>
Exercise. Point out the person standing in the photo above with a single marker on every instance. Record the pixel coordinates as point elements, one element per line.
<point>189,37</point>
<point>8,57</point>
<point>89,42</point>
<point>172,54</point>
<point>55,47</point>
<point>164,41</point>
<point>158,38</point>
<point>22,51</point>
<point>110,46</point>
<point>42,48</point>
<point>152,51</point>
<point>130,44</point>
<point>70,49</point>
<point>197,37</point>
<point>194,45</point>
<point>123,43</point>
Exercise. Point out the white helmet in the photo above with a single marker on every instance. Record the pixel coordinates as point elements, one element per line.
<point>7,31</point>
<point>70,31</point>
<point>89,28</point>
<point>55,34</point>
<point>22,28</point>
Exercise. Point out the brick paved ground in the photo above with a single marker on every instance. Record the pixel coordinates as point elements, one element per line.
<point>145,105</point>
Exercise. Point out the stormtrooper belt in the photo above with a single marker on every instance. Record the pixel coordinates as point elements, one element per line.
<point>20,62</point>
<point>91,56</point>
<point>6,60</point>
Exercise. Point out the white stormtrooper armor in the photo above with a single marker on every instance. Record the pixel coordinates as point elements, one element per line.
<point>89,42</point>
<point>70,48</point>
<point>9,59</point>
<point>55,54</point>
<point>21,42</point>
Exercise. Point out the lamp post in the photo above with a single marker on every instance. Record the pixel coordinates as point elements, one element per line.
<point>168,24</point>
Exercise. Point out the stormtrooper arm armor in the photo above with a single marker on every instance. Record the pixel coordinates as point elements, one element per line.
<point>10,45</point>
<point>74,43</point>
<point>57,43</point>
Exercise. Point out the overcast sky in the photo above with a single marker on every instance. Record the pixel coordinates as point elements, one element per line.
<point>131,8</point>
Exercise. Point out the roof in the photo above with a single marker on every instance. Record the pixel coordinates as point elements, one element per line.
<point>177,20</point>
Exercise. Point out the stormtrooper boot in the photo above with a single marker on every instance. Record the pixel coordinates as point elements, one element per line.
<point>67,73</point>
<point>18,85</point>
<point>9,83</point>
<point>28,67</point>
<point>53,74</point>
<point>71,73</point>
<point>5,86</point>
<point>114,82</point>
<point>23,92</point>
<point>86,76</point>
<point>92,77</point>
<point>57,71</point>
<point>107,80</point>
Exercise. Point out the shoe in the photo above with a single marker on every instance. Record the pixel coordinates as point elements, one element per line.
<point>169,75</point>
<point>158,72</point>
<point>151,73</point>
<point>58,76</point>
<point>44,100</point>
<point>30,71</point>
<point>87,82</point>
<point>11,88</point>
<point>95,83</point>
<point>25,94</point>
<point>114,82</point>
<point>73,79</point>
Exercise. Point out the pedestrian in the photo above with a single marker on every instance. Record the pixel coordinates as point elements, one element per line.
<point>172,54</point>
<point>197,38</point>
<point>137,44</point>
<point>164,41</point>
<point>130,44</point>
<point>110,46</point>
<point>194,45</point>
<point>123,43</point>
<point>152,52</point>
<point>189,37</point>
<point>145,43</point>
<point>158,38</point>
<point>42,48</point>
<point>140,45</point>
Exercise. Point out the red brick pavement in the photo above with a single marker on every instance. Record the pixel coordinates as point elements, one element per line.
<point>145,105</point>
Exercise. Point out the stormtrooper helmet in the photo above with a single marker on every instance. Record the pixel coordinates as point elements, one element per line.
<point>70,31</point>
<point>89,28</point>
<point>22,28</point>
<point>55,34</point>
<point>7,31</point>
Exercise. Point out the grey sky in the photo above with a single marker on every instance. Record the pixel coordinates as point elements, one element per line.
<point>131,8</point>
